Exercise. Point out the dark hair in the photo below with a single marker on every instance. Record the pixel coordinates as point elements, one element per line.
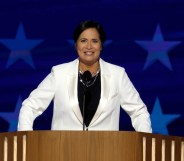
<point>86,25</point>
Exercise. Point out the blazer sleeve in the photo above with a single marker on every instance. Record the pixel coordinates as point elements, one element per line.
<point>133,105</point>
<point>37,102</point>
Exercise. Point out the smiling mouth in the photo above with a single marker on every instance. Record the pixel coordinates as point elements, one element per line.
<point>88,52</point>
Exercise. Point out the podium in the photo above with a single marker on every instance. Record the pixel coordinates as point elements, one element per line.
<point>89,146</point>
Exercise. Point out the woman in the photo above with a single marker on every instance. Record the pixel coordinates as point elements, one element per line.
<point>108,88</point>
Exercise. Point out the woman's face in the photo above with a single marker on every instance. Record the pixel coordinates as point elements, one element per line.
<point>89,46</point>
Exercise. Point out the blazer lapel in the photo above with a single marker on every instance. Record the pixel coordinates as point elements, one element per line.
<point>105,89</point>
<point>72,82</point>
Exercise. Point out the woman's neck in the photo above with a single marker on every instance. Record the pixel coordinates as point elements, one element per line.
<point>94,68</point>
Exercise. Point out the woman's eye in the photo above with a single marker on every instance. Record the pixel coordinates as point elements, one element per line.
<point>95,41</point>
<point>83,40</point>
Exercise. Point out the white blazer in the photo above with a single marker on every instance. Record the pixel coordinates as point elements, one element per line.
<point>61,87</point>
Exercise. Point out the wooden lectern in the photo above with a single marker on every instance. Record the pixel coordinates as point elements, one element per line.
<point>89,146</point>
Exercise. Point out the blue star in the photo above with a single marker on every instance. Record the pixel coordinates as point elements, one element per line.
<point>160,120</point>
<point>12,117</point>
<point>158,49</point>
<point>20,48</point>
<point>106,43</point>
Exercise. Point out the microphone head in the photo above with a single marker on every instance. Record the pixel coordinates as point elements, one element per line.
<point>87,75</point>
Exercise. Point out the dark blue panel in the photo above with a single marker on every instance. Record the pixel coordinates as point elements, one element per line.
<point>145,37</point>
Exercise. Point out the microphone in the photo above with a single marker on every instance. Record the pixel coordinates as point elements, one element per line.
<point>86,77</point>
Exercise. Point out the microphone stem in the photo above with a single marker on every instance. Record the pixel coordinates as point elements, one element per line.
<point>83,108</point>
<point>87,76</point>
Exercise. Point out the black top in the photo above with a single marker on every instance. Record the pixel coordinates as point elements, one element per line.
<point>92,97</point>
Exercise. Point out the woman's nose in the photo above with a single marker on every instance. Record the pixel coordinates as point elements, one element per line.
<point>89,45</point>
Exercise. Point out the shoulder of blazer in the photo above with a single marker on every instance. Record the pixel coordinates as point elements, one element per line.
<point>66,68</point>
<point>112,69</point>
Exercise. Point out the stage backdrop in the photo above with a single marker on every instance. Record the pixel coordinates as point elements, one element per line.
<point>146,37</point>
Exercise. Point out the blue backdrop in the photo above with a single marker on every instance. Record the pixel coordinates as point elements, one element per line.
<point>146,37</point>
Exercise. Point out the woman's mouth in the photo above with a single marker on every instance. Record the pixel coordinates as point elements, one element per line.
<point>88,52</point>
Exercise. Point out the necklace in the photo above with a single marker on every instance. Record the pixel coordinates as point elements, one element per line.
<point>90,82</point>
